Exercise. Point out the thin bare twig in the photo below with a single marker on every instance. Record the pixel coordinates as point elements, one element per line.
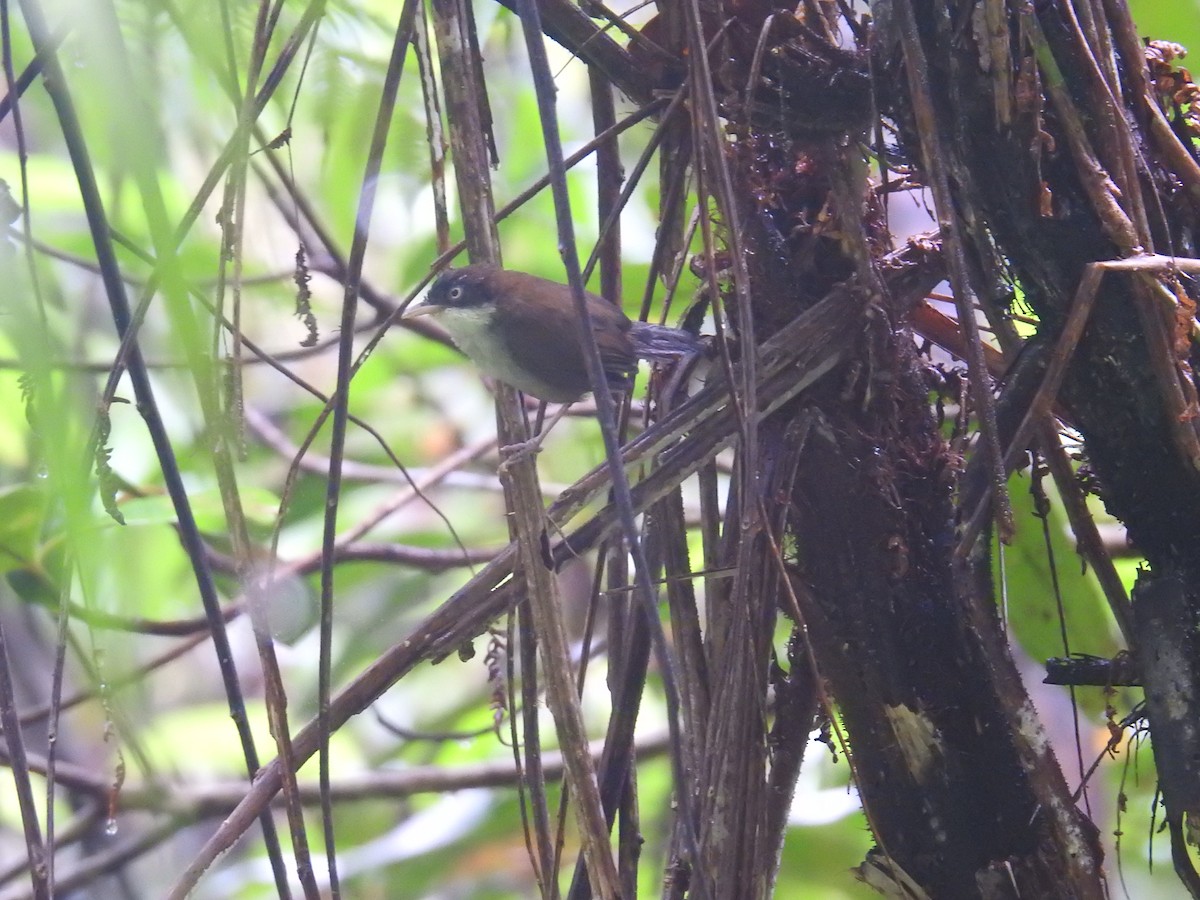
<point>337,444</point>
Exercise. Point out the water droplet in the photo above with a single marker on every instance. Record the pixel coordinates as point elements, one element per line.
<point>43,471</point>
<point>110,827</point>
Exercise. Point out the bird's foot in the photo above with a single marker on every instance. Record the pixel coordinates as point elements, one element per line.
<point>511,454</point>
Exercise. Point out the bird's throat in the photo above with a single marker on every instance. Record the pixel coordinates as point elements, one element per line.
<point>474,331</point>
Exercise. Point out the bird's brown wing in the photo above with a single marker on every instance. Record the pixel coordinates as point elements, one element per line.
<point>546,339</point>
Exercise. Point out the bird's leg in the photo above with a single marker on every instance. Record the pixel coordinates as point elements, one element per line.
<point>511,453</point>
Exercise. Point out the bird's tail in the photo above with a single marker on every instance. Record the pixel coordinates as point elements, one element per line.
<point>660,343</point>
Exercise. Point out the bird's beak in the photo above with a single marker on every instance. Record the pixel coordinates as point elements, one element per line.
<point>419,309</point>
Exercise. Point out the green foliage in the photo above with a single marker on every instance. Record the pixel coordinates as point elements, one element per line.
<point>1038,557</point>
<point>22,511</point>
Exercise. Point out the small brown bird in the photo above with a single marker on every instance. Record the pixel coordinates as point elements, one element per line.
<point>524,331</point>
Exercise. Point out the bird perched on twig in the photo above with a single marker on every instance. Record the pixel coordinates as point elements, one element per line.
<point>524,331</point>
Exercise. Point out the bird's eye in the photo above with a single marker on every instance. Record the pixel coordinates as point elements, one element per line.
<point>455,292</point>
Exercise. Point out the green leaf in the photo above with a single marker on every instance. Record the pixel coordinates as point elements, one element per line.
<point>22,513</point>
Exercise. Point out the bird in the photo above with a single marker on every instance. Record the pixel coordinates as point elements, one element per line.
<point>524,330</point>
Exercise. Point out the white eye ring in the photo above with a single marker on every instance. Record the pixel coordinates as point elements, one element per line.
<point>455,292</point>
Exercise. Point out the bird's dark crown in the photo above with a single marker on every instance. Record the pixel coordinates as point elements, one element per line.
<point>461,288</point>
